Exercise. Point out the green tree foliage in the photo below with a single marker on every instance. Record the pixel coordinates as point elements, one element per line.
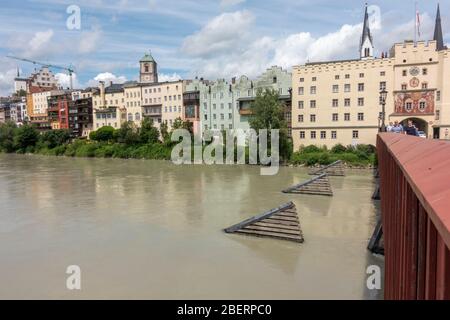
<point>148,133</point>
<point>7,133</point>
<point>268,113</point>
<point>128,134</point>
<point>164,129</point>
<point>103,134</point>
<point>52,139</point>
<point>26,137</point>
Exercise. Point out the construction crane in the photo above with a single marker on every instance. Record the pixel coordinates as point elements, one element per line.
<point>69,70</point>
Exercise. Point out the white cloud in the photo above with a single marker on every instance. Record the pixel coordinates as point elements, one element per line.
<point>168,77</point>
<point>64,80</point>
<point>107,77</point>
<point>40,41</point>
<point>228,45</point>
<point>7,81</point>
<point>222,34</point>
<point>230,3</point>
<point>89,40</point>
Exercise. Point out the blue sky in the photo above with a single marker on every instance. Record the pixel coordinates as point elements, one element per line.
<point>205,38</point>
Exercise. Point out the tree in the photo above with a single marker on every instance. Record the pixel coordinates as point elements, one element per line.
<point>127,134</point>
<point>148,133</point>
<point>164,132</point>
<point>54,138</point>
<point>180,124</point>
<point>103,134</point>
<point>7,132</point>
<point>26,136</point>
<point>268,113</point>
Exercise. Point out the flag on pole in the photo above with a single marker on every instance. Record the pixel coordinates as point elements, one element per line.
<point>418,23</point>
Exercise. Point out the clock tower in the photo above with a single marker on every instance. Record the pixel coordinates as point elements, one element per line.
<point>148,69</point>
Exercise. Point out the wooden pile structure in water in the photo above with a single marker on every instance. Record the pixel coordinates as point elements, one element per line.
<point>279,223</point>
<point>334,169</point>
<point>319,185</point>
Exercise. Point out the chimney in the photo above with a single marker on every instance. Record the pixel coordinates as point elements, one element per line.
<point>102,94</point>
<point>110,83</point>
<point>233,81</point>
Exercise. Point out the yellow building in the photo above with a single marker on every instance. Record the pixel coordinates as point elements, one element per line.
<point>109,106</point>
<point>339,101</point>
<point>163,102</point>
<point>133,102</point>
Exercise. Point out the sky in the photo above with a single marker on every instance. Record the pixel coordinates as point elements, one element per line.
<point>205,38</point>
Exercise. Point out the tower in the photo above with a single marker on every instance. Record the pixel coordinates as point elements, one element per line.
<point>148,69</point>
<point>438,36</point>
<point>366,47</point>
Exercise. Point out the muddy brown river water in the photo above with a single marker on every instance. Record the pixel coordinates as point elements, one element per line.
<point>153,230</point>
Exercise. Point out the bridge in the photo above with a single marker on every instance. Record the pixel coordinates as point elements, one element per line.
<point>415,206</point>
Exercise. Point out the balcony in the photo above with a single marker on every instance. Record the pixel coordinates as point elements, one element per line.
<point>152,111</point>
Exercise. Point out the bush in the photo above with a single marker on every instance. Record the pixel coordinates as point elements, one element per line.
<point>7,133</point>
<point>103,134</point>
<point>339,148</point>
<point>310,149</point>
<point>26,138</point>
<point>54,138</point>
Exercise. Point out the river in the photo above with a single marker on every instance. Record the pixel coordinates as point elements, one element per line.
<point>153,230</point>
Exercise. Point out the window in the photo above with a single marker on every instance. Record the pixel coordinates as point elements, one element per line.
<point>302,79</point>
<point>302,135</point>
<point>346,116</point>
<point>137,116</point>
<point>312,104</point>
<point>313,90</point>
<point>335,117</point>
<point>214,106</point>
<point>422,106</point>
<point>360,116</point>
<point>312,118</point>
<point>214,116</point>
<point>347,76</point>
<point>347,102</point>
<point>335,88</point>
<point>355,134</point>
<point>333,135</point>
<point>335,103</point>
<point>438,96</point>
<point>222,116</point>
<point>301,91</point>
<point>404,87</point>
<point>230,116</point>
<point>382,85</point>
<point>314,79</point>
<point>360,102</point>
<point>300,118</point>
<point>323,134</point>
<point>313,134</point>
<point>361,87</point>
<point>405,73</point>
<point>408,106</point>
<point>301,105</point>
<point>383,73</point>
<point>222,106</point>
<point>347,88</point>
<point>361,75</point>
<point>206,117</point>
<point>438,114</point>
<point>336,77</point>
<point>130,117</point>
<point>424,85</point>
<point>424,71</point>
<point>274,79</point>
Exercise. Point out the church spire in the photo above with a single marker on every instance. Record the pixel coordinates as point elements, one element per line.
<point>366,45</point>
<point>438,35</point>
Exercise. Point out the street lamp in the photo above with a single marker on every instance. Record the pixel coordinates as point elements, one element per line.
<point>383,96</point>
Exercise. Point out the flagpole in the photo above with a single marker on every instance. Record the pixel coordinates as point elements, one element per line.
<point>415,23</point>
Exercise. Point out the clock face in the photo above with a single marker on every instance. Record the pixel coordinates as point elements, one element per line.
<point>414,71</point>
<point>414,82</point>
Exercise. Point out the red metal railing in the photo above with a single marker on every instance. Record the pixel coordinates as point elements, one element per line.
<point>415,204</point>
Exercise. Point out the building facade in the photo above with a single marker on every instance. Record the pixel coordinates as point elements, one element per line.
<point>109,106</point>
<point>339,101</point>
<point>133,98</point>
<point>163,102</point>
